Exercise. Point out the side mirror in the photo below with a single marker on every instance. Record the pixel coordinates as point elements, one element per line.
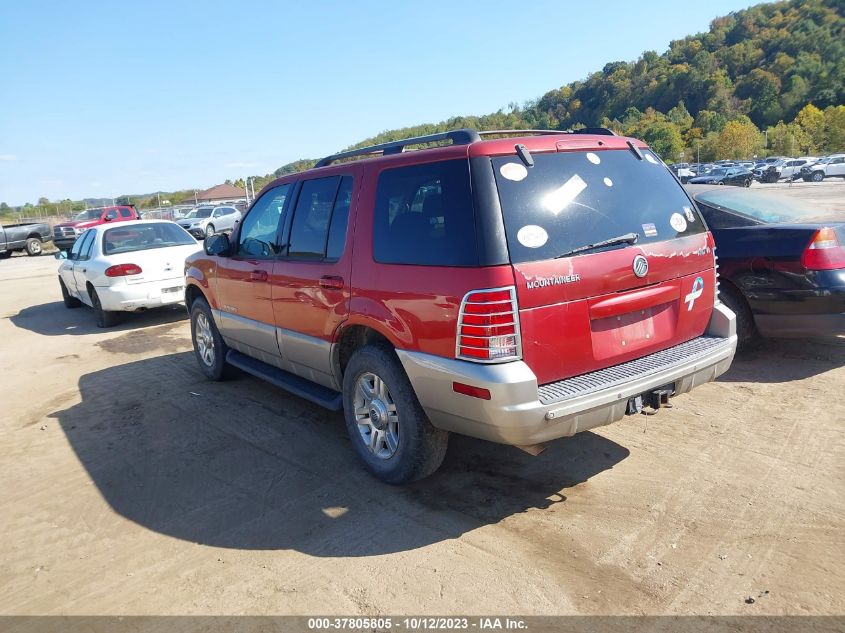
<point>60,255</point>
<point>107,219</point>
<point>217,245</point>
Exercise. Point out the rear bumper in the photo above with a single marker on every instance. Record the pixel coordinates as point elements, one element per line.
<point>64,243</point>
<point>798,313</point>
<point>800,325</point>
<point>131,297</point>
<point>522,413</point>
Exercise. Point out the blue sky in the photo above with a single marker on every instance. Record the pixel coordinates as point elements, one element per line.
<point>107,98</point>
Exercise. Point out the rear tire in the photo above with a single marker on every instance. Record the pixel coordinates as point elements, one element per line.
<point>105,318</point>
<point>209,348</point>
<point>746,330</point>
<point>70,302</point>
<point>389,429</point>
<point>6,254</point>
<point>33,246</point>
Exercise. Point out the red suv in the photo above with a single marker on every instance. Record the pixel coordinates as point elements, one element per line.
<point>65,234</point>
<point>513,289</point>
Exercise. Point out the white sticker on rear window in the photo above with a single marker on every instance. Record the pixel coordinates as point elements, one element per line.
<point>649,229</point>
<point>532,236</point>
<point>650,158</point>
<point>557,200</point>
<point>690,215</point>
<point>593,158</point>
<point>513,171</point>
<point>678,223</point>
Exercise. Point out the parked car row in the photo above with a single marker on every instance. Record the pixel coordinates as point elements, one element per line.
<point>767,170</point>
<point>481,297</point>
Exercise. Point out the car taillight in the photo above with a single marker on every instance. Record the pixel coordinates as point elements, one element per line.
<point>824,252</point>
<point>122,270</point>
<point>488,326</point>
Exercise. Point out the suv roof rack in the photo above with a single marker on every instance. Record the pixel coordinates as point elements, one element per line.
<point>458,137</point>
<point>603,131</point>
<point>463,136</point>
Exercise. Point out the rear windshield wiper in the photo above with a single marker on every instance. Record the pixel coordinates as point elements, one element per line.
<point>628,238</point>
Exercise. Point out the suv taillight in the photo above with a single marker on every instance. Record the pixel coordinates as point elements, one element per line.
<point>122,270</point>
<point>824,252</point>
<point>488,326</point>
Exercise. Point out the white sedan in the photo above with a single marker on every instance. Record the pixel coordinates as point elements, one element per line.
<point>126,267</point>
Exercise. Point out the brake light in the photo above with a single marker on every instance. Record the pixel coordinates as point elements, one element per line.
<point>122,270</point>
<point>488,326</point>
<point>824,252</point>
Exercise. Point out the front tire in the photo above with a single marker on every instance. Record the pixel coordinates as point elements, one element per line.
<point>209,348</point>
<point>33,246</point>
<point>70,302</point>
<point>105,318</point>
<point>209,230</point>
<point>817,176</point>
<point>389,429</point>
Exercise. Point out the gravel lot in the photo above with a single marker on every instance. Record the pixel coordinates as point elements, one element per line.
<point>132,486</point>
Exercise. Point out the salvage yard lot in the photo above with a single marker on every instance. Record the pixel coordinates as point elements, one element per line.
<point>130,485</point>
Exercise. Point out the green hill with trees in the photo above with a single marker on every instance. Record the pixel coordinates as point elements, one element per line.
<point>768,80</point>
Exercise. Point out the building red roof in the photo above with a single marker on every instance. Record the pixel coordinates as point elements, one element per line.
<point>218,192</point>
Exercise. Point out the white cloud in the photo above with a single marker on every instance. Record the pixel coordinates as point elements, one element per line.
<point>8,157</point>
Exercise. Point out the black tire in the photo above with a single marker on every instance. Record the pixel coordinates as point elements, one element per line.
<point>33,246</point>
<point>6,254</point>
<point>746,330</point>
<point>421,447</point>
<point>817,176</point>
<point>105,318</point>
<point>748,182</point>
<point>214,368</point>
<point>70,302</point>
<point>209,230</point>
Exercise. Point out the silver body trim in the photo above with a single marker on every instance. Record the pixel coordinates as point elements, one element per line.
<point>305,356</point>
<point>514,413</point>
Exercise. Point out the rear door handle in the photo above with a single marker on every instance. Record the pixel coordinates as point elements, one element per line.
<point>330,282</point>
<point>258,275</point>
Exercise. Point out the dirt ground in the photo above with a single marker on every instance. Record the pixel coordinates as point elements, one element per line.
<point>130,485</point>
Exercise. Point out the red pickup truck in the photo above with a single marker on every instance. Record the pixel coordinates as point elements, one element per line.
<point>65,234</point>
<point>513,289</point>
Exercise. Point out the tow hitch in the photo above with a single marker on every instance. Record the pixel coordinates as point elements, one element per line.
<point>655,400</point>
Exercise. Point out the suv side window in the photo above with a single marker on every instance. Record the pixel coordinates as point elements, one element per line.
<point>424,215</point>
<point>126,213</point>
<point>111,215</point>
<point>310,228</point>
<point>257,238</point>
<point>340,219</point>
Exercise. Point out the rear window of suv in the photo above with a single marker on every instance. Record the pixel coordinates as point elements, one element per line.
<point>572,199</point>
<point>424,215</point>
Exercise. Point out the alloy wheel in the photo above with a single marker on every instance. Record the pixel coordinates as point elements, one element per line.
<point>376,415</point>
<point>204,340</point>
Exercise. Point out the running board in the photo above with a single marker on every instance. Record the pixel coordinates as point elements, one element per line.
<point>298,386</point>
